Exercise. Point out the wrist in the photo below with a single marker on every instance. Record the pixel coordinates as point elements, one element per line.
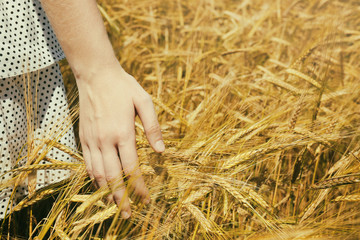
<point>88,72</point>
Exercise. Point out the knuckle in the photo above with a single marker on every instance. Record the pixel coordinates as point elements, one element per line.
<point>121,199</point>
<point>105,140</point>
<point>153,129</point>
<point>122,202</point>
<point>89,172</point>
<point>118,196</point>
<point>82,137</point>
<point>132,172</point>
<point>124,135</point>
<point>102,139</point>
<point>141,192</point>
<point>113,181</point>
<point>146,98</point>
<point>99,177</point>
<point>109,178</point>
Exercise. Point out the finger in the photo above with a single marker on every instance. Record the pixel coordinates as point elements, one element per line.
<point>98,169</point>
<point>129,162</point>
<point>114,178</point>
<point>87,159</point>
<point>146,111</point>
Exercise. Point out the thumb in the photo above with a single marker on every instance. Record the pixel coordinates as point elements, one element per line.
<point>146,112</point>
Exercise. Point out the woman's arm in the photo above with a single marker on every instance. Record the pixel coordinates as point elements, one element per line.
<point>109,99</point>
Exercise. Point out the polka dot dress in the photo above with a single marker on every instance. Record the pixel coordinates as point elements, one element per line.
<point>27,41</point>
<point>33,106</point>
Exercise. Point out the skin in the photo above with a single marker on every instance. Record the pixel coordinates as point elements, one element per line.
<point>109,99</point>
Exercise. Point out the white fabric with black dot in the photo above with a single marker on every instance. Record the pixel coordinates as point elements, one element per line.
<point>28,45</point>
<point>27,41</point>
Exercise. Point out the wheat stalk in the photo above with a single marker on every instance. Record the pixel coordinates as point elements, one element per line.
<point>85,198</point>
<point>34,198</point>
<point>96,218</point>
<point>63,165</point>
<point>92,199</point>
<point>348,198</point>
<point>197,195</point>
<point>303,76</point>
<point>253,154</point>
<point>337,181</point>
<point>199,216</point>
<point>65,149</point>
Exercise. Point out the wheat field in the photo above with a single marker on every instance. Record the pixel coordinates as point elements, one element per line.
<point>259,106</point>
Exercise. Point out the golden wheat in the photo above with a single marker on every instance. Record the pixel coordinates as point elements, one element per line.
<point>258,104</point>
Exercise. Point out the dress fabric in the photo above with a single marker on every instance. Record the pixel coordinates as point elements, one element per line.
<point>27,41</point>
<point>33,104</point>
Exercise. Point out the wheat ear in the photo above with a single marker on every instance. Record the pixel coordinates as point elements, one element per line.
<point>32,200</point>
<point>333,182</point>
<point>348,198</point>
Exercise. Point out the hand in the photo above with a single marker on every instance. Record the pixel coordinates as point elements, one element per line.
<point>109,100</point>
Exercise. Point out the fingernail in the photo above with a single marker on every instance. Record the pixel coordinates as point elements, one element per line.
<point>125,214</point>
<point>147,201</point>
<point>160,146</point>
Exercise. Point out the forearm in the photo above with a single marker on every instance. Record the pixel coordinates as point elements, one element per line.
<point>81,33</point>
